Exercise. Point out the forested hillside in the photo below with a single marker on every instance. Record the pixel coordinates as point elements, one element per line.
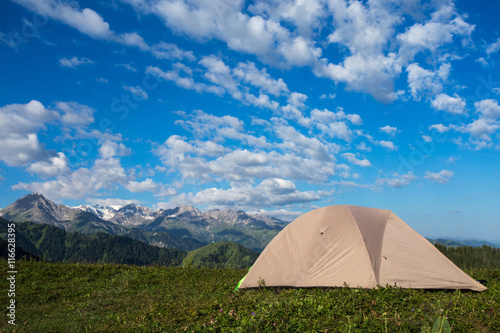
<point>54,244</point>
<point>19,254</point>
<point>221,254</point>
<point>468,257</point>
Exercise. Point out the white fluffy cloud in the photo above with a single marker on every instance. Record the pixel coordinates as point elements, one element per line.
<point>182,76</point>
<point>249,73</point>
<point>268,193</point>
<point>263,101</point>
<point>424,82</point>
<point>107,172</point>
<point>488,108</point>
<point>218,73</point>
<point>53,166</point>
<point>427,138</point>
<point>127,67</point>
<point>389,130</point>
<point>171,51</point>
<point>145,185</point>
<point>277,186</point>
<point>74,62</point>
<point>292,156</point>
<point>481,128</point>
<point>86,21</point>
<point>75,115</point>
<point>21,149</point>
<point>138,91</point>
<point>201,125</point>
<point>354,160</point>
<point>111,148</point>
<point>19,125</point>
<point>367,31</point>
<point>302,145</point>
<point>365,73</point>
<point>397,180</point>
<point>363,146</point>
<point>454,105</point>
<point>443,26</point>
<point>332,124</point>
<point>389,145</point>
<point>493,47</point>
<point>218,19</point>
<point>364,31</point>
<point>442,176</point>
<point>439,127</point>
<point>485,126</point>
<point>299,51</point>
<point>81,183</point>
<point>244,82</point>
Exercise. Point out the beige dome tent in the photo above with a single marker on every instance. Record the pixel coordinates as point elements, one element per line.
<point>361,247</point>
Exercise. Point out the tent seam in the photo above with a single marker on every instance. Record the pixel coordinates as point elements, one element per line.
<point>382,244</point>
<point>364,244</point>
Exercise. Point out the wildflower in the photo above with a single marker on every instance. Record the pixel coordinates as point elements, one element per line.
<point>221,310</point>
<point>253,313</point>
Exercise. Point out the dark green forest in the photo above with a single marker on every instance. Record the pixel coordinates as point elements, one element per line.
<point>221,254</point>
<point>54,244</point>
<point>468,257</point>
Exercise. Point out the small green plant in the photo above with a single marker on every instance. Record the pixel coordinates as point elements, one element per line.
<point>441,325</point>
<point>188,263</point>
<point>261,283</point>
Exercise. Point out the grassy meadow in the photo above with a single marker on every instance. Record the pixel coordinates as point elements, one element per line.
<point>57,297</point>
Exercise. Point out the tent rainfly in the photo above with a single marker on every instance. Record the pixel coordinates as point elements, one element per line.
<point>343,245</point>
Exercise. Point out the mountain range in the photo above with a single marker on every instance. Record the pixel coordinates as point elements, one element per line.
<point>457,242</point>
<point>184,227</point>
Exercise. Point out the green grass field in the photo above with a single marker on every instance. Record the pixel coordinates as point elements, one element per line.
<point>54,297</point>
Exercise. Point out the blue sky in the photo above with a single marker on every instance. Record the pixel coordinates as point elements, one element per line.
<point>272,106</point>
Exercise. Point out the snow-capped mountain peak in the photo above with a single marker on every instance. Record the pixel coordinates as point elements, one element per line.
<point>105,213</point>
<point>133,214</point>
